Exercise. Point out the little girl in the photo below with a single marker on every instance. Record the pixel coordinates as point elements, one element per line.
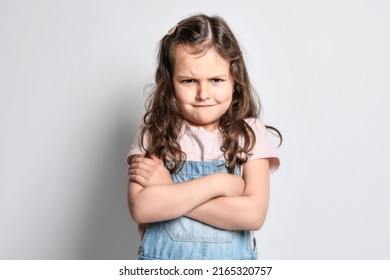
<point>199,165</point>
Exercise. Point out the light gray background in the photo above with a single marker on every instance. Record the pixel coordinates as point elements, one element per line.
<point>72,75</point>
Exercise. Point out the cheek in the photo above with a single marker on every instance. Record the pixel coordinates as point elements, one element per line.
<point>183,95</point>
<point>181,98</point>
<point>226,96</point>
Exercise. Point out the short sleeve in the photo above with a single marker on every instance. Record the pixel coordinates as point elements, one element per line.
<point>136,147</point>
<point>264,147</point>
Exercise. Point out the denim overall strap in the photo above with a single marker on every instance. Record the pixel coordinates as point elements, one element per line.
<point>185,238</point>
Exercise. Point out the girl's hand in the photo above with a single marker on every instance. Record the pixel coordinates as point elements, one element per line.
<point>232,185</point>
<point>148,171</point>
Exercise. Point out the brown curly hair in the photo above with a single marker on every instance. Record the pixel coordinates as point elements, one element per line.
<point>163,119</point>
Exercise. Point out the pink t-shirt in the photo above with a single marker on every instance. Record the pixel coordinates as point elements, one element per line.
<point>203,145</point>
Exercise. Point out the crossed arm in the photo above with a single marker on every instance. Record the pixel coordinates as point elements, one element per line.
<point>222,200</point>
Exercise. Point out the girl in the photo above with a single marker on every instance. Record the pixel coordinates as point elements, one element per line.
<point>199,165</point>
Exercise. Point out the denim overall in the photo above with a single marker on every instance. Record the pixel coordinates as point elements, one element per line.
<point>187,239</point>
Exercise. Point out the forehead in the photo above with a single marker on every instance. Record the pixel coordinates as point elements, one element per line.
<point>188,59</point>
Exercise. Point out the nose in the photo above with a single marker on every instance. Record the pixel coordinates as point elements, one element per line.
<point>203,92</point>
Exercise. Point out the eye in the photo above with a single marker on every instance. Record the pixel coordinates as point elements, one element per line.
<point>188,81</point>
<point>216,80</point>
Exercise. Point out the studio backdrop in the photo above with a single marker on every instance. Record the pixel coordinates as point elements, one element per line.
<point>72,79</point>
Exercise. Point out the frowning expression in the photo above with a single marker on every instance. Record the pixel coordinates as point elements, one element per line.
<point>203,86</point>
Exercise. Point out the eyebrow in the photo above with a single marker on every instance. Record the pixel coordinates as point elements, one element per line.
<point>221,76</point>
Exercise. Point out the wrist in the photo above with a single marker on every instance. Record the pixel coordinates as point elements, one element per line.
<point>229,184</point>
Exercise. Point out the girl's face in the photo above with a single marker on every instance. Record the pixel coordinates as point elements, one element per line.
<point>203,86</point>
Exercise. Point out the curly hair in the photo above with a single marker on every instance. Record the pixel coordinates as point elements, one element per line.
<point>163,119</point>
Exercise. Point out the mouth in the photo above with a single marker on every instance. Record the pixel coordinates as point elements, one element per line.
<point>202,106</point>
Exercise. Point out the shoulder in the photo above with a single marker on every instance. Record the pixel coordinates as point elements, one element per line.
<point>263,148</point>
<point>256,124</point>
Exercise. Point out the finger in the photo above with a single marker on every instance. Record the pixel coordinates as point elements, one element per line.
<point>139,172</point>
<point>131,170</point>
<point>138,179</point>
<point>140,169</point>
<point>144,161</point>
<point>130,159</point>
<point>139,176</point>
<point>156,159</point>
